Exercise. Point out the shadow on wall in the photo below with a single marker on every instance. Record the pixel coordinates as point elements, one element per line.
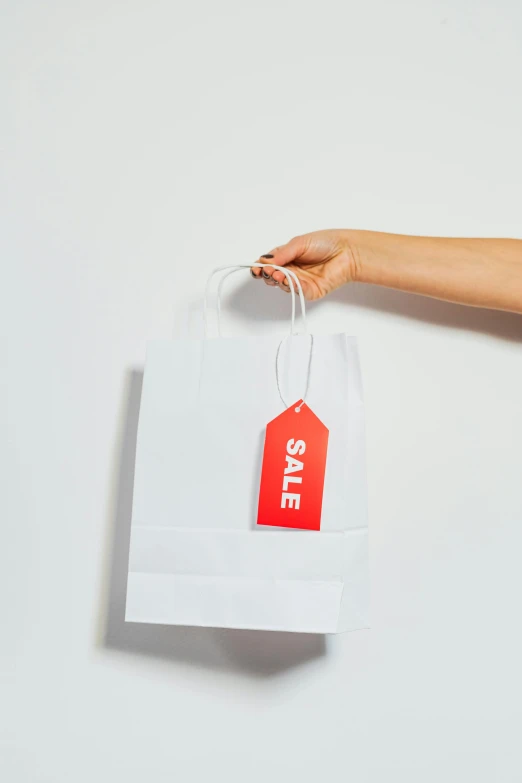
<point>255,653</point>
<point>253,300</point>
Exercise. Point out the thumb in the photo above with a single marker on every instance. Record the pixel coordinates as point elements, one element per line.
<point>285,254</point>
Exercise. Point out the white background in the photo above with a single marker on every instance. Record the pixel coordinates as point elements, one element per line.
<point>144,143</point>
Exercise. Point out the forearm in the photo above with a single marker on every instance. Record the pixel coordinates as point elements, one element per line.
<point>479,272</point>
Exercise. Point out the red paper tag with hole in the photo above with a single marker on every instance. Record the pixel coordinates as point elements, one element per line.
<point>292,475</point>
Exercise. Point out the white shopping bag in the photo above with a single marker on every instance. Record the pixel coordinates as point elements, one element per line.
<point>197,555</point>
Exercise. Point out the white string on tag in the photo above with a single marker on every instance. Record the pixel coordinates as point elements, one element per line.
<point>293,281</point>
<point>308,373</point>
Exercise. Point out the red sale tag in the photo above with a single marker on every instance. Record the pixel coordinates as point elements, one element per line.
<point>292,475</point>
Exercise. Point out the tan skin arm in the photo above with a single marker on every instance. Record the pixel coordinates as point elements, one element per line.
<point>478,272</point>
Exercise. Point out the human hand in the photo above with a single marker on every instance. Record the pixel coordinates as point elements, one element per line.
<point>323,261</point>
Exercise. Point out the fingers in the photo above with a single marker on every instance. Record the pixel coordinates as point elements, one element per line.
<point>279,277</point>
<point>282,255</point>
<point>262,273</point>
<point>274,277</point>
<point>271,277</point>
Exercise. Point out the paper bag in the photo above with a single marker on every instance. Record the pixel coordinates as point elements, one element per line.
<point>197,555</point>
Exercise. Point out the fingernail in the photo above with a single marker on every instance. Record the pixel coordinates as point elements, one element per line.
<point>256,277</point>
<point>266,275</point>
<point>267,255</point>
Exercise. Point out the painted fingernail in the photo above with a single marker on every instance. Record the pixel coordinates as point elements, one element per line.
<point>256,277</point>
<point>267,255</point>
<point>266,275</point>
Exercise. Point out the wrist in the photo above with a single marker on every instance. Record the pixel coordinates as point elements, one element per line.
<point>356,244</point>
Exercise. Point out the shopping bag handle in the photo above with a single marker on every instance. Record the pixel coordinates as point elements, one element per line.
<point>294,282</point>
<point>237,268</point>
